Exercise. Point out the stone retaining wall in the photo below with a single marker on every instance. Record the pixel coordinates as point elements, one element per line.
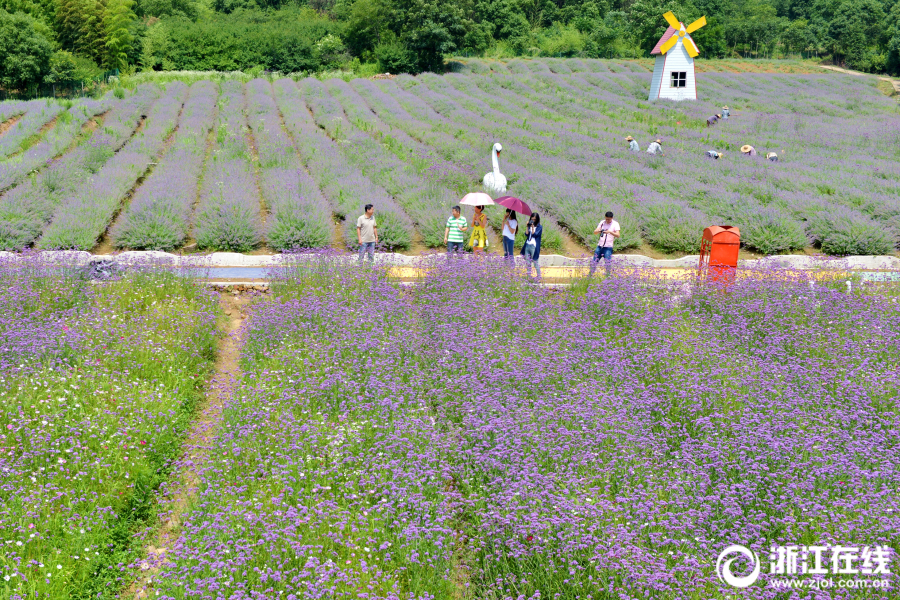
<point>233,259</point>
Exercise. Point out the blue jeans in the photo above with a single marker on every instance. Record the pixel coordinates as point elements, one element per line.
<point>454,248</point>
<point>601,252</point>
<point>367,247</point>
<point>529,260</point>
<point>508,247</point>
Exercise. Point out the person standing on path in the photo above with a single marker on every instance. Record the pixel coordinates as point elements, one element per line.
<point>632,144</point>
<point>478,239</point>
<point>609,231</point>
<point>510,228</point>
<point>453,233</point>
<point>367,233</point>
<point>532,248</point>
<point>725,112</point>
<point>655,148</point>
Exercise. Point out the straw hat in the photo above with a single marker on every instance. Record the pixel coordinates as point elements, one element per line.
<point>629,139</point>
<point>746,148</point>
<point>659,141</point>
<point>718,115</point>
<point>770,154</point>
<point>725,108</point>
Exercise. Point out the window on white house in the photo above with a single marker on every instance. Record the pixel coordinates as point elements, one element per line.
<point>679,79</point>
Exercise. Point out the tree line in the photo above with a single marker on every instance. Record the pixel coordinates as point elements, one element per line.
<point>59,40</point>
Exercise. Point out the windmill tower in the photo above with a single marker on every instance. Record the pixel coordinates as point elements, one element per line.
<point>673,75</point>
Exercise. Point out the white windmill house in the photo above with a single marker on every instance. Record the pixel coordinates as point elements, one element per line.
<point>673,74</point>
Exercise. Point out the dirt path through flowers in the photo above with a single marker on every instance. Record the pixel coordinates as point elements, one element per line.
<point>177,499</point>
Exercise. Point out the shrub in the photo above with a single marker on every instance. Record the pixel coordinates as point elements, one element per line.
<point>62,67</point>
<point>672,227</point>
<point>771,231</point>
<point>842,231</point>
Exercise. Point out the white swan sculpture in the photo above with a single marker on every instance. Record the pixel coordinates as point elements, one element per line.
<point>494,182</point>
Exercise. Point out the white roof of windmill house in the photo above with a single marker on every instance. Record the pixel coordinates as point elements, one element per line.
<point>673,73</point>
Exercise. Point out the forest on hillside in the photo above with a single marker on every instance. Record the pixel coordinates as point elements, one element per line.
<point>46,41</point>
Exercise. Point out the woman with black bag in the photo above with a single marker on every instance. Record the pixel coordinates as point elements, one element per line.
<point>532,248</point>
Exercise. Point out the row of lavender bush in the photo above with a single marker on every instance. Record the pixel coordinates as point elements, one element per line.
<point>159,215</point>
<point>299,215</point>
<point>228,216</point>
<point>345,187</point>
<point>84,216</point>
<point>28,208</point>
<point>37,114</point>
<point>424,199</point>
<point>395,108</point>
<point>55,142</point>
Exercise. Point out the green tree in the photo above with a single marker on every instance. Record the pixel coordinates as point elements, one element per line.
<point>330,52</point>
<point>62,67</point>
<point>24,51</point>
<point>393,57</point>
<point>117,22</point>
<point>43,11</point>
<point>797,37</point>
<point>429,29</point>
<point>155,48</point>
<point>647,23</point>
<point>893,44</point>
<point>167,8</point>
<point>366,24</point>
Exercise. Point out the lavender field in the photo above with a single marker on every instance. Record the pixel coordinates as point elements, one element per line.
<point>471,437</point>
<point>285,164</point>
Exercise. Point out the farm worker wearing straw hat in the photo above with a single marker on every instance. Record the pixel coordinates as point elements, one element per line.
<point>748,150</point>
<point>725,112</point>
<point>772,156</point>
<point>632,145</point>
<point>712,120</point>
<point>655,148</point>
<point>714,154</point>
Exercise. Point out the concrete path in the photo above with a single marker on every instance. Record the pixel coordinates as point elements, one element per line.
<point>891,80</point>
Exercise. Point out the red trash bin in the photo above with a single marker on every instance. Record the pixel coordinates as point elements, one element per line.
<point>719,253</point>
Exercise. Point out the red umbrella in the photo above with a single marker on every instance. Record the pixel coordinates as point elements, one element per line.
<point>514,204</point>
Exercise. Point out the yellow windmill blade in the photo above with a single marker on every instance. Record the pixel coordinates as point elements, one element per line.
<point>691,47</point>
<point>669,44</point>
<point>672,21</point>
<point>696,25</point>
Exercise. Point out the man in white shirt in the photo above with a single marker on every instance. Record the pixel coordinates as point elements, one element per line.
<point>367,233</point>
<point>632,144</point>
<point>609,231</point>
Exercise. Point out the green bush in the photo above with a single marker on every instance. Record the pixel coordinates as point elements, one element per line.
<point>24,51</point>
<point>62,67</point>
<point>288,41</point>
<point>393,57</point>
<point>672,228</point>
<point>771,233</point>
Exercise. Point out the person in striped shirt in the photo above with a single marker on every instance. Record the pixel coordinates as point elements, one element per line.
<point>453,233</point>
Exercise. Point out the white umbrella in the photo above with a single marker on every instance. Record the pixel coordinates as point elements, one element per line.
<point>477,199</point>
